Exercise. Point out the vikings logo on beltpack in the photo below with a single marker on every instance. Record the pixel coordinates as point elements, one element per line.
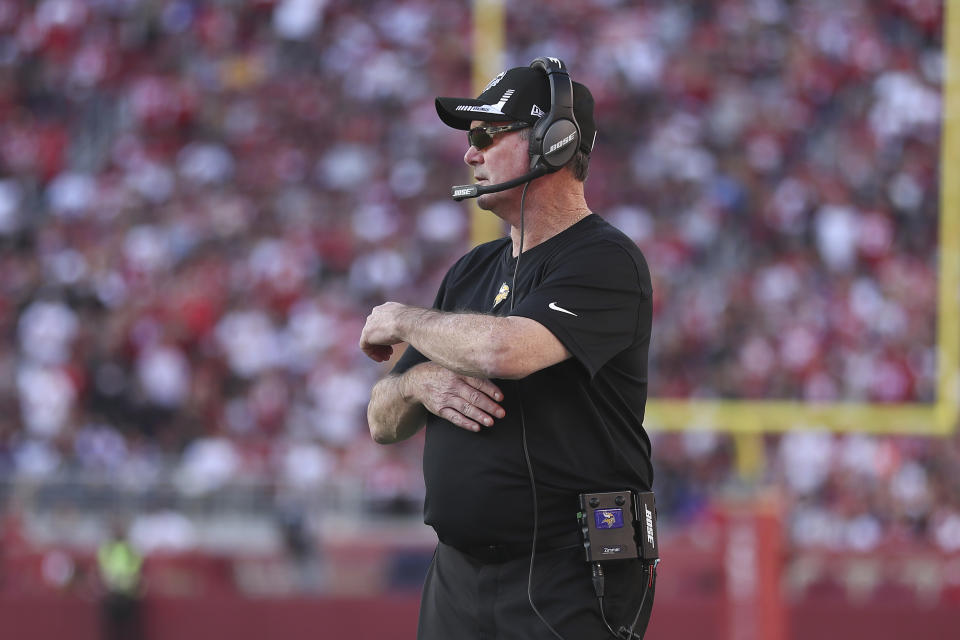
<point>609,518</point>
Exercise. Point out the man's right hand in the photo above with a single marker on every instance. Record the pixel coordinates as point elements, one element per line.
<point>470,403</point>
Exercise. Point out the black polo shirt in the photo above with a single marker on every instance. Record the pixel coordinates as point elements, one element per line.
<point>590,286</point>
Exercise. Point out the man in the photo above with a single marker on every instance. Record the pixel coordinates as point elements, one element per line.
<point>531,379</point>
<point>120,568</point>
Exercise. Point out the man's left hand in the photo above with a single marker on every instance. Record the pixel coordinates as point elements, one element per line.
<point>380,331</point>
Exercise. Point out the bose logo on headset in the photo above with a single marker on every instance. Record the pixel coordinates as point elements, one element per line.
<point>556,135</point>
<point>563,142</point>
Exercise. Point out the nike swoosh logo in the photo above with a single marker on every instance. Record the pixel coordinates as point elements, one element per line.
<point>553,305</point>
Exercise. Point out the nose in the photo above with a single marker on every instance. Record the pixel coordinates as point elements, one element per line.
<point>473,156</point>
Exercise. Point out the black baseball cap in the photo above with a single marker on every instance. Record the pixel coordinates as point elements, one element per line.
<point>521,94</point>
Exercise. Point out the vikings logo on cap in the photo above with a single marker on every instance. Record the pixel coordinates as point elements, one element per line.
<point>608,518</point>
<point>494,82</point>
<point>502,294</point>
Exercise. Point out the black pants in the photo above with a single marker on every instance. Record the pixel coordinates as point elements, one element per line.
<point>470,600</point>
<point>120,617</point>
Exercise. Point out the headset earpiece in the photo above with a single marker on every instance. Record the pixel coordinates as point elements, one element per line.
<point>556,136</point>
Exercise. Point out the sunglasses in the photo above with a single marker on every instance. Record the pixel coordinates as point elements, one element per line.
<point>482,137</point>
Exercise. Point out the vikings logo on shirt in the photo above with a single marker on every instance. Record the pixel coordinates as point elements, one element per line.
<point>502,294</point>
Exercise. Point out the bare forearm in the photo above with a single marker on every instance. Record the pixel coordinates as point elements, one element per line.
<point>468,343</point>
<point>399,405</point>
<point>391,415</point>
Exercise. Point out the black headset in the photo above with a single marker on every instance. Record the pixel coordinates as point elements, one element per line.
<point>556,136</point>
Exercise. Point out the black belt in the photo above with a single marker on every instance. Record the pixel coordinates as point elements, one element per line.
<point>499,553</point>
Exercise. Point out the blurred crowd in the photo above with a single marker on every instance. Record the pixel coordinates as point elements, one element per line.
<point>200,202</point>
<point>851,492</point>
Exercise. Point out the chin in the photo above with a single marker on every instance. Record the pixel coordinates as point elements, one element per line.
<point>495,202</point>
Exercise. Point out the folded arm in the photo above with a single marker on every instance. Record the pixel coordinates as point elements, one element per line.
<point>471,344</point>
<point>399,403</point>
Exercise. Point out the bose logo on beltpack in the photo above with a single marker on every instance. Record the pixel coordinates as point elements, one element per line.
<point>561,143</point>
<point>649,515</point>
